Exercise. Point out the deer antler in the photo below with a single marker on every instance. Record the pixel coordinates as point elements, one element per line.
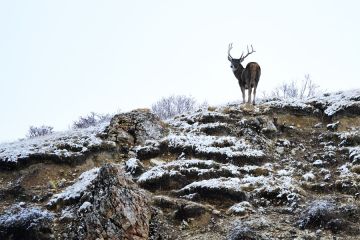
<point>242,58</point>
<point>230,47</point>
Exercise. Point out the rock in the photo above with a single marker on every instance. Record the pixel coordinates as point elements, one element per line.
<point>242,231</point>
<point>134,166</point>
<point>342,103</point>
<point>134,128</point>
<point>256,170</point>
<point>177,174</point>
<point>157,161</point>
<point>224,148</point>
<point>183,209</point>
<point>333,126</point>
<point>74,192</point>
<point>26,223</point>
<point>318,163</point>
<point>308,177</point>
<point>327,214</point>
<point>217,189</point>
<point>110,207</point>
<point>61,183</point>
<point>241,209</point>
<point>150,150</point>
<point>317,214</point>
<point>215,129</point>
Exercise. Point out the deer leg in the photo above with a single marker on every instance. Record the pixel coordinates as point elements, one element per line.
<point>249,94</point>
<point>254,95</point>
<point>243,93</point>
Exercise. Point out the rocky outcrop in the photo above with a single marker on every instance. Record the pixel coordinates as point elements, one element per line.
<point>283,169</point>
<point>109,207</point>
<point>182,172</point>
<point>134,128</point>
<point>70,147</point>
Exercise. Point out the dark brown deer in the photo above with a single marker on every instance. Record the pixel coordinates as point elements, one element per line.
<point>248,77</point>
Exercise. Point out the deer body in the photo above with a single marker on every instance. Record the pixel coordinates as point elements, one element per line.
<point>248,77</point>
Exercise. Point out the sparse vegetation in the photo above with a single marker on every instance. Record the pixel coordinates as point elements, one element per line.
<point>91,120</point>
<point>39,131</point>
<point>171,106</point>
<point>295,89</point>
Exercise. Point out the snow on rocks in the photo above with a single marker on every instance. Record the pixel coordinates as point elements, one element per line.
<point>134,166</point>
<point>331,104</point>
<point>25,222</point>
<point>354,154</point>
<point>293,106</point>
<point>343,102</point>
<point>181,172</point>
<point>75,191</point>
<point>220,148</point>
<point>333,126</point>
<point>308,177</point>
<point>275,188</point>
<point>348,180</point>
<point>150,149</point>
<point>241,209</point>
<point>185,122</point>
<point>216,188</point>
<point>58,146</point>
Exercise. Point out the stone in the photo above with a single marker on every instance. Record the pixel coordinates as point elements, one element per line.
<point>134,128</point>
<point>114,208</point>
<point>19,222</point>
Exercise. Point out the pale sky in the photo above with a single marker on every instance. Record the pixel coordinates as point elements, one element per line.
<point>63,59</point>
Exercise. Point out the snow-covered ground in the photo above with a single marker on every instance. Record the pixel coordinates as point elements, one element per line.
<point>229,147</point>
<point>330,103</point>
<point>67,144</point>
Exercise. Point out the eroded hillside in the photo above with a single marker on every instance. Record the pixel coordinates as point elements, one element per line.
<point>279,170</point>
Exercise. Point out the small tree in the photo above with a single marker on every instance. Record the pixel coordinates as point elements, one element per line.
<point>307,88</point>
<point>171,106</point>
<point>39,131</point>
<point>91,120</point>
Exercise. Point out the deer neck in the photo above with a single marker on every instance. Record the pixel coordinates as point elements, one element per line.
<point>238,71</point>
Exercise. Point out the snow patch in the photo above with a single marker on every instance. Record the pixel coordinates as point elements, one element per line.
<point>76,190</point>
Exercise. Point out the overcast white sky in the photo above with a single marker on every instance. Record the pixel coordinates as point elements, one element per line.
<point>63,59</point>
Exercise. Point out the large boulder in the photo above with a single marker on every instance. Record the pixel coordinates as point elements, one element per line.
<point>110,206</point>
<point>134,127</point>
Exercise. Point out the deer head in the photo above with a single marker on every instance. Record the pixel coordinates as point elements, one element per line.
<point>236,63</point>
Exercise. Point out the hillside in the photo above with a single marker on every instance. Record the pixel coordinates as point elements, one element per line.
<point>283,169</point>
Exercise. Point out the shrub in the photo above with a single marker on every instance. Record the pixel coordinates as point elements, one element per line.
<point>171,106</point>
<point>91,120</point>
<point>295,89</point>
<point>39,131</point>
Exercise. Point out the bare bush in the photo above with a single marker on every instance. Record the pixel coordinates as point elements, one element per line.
<point>171,106</point>
<point>91,120</point>
<point>305,89</point>
<point>39,131</point>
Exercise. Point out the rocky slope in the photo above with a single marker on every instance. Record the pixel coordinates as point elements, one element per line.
<point>279,170</point>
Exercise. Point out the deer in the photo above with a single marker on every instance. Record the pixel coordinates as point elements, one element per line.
<point>248,77</point>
